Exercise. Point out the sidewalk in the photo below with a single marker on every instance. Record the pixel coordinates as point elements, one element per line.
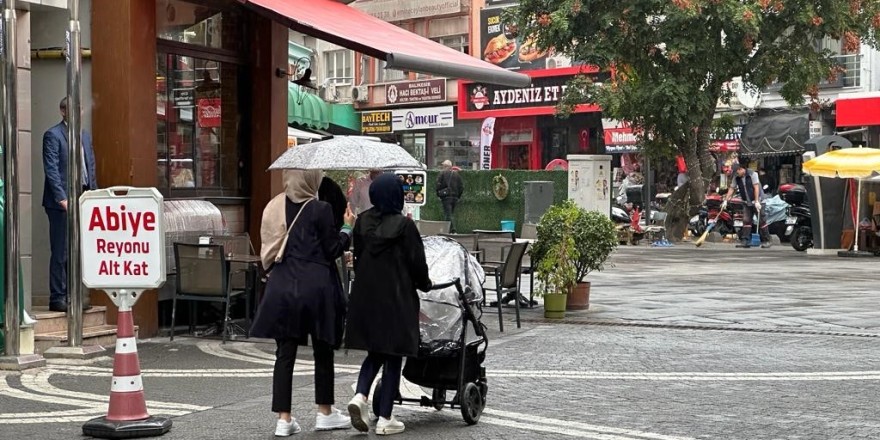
<point>721,286</point>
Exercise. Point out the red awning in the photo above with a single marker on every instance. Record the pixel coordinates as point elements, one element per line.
<point>858,111</point>
<point>348,27</point>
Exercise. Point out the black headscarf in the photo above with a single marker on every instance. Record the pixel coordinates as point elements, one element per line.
<point>331,193</point>
<point>386,194</point>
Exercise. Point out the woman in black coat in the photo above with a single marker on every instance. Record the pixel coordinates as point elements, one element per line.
<point>389,265</point>
<point>303,294</point>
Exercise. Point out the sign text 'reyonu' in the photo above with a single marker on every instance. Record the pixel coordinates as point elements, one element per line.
<point>122,239</point>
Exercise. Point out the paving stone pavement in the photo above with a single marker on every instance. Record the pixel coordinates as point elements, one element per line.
<point>561,379</point>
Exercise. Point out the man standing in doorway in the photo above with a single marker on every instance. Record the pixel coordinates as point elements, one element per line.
<point>748,184</point>
<point>56,201</point>
<point>449,190</point>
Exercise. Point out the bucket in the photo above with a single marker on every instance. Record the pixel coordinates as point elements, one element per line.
<point>508,225</point>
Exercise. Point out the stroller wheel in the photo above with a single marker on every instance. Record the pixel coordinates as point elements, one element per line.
<point>438,397</point>
<point>484,390</point>
<point>471,404</point>
<point>377,397</point>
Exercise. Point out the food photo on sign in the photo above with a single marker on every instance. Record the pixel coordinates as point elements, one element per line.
<point>506,47</point>
<point>414,188</point>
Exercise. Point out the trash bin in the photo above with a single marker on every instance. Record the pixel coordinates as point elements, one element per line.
<point>508,225</point>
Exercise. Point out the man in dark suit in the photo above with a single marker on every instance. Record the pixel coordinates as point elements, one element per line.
<point>56,200</point>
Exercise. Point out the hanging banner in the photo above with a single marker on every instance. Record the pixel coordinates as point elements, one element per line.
<point>487,133</point>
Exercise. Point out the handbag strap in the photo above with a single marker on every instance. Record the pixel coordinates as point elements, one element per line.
<point>280,253</point>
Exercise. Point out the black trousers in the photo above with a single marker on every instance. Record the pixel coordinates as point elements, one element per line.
<point>449,211</point>
<point>748,214</point>
<point>282,377</point>
<point>391,369</point>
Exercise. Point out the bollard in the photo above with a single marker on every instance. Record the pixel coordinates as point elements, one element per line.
<point>127,416</point>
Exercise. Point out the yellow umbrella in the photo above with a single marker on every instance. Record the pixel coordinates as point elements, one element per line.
<point>848,163</point>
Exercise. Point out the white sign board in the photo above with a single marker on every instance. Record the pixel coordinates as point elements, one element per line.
<point>422,118</point>
<point>122,238</point>
<point>589,182</point>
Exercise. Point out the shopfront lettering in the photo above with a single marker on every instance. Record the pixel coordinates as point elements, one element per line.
<point>376,117</point>
<point>123,220</point>
<point>549,94</point>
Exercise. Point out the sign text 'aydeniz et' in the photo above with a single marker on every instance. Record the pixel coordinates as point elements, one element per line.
<point>123,240</point>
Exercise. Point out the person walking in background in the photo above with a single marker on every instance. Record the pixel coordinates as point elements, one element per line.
<point>303,297</point>
<point>360,194</point>
<point>449,190</point>
<point>749,186</point>
<point>389,258</point>
<point>56,200</point>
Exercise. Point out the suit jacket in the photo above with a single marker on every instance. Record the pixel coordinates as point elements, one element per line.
<point>55,154</point>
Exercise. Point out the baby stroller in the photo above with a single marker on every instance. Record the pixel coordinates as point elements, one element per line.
<point>450,356</point>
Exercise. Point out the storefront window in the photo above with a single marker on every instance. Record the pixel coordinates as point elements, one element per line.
<point>215,26</point>
<point>384,75</point>
<point>198,144</point>
<point>414,144</point>
<point>459,145</point>
<point>457,42</point>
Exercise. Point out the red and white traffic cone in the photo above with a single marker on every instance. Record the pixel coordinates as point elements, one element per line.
<point>127,415</point>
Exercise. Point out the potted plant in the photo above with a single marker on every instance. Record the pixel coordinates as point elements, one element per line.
<point>557,274</point>
<point>594,236</point>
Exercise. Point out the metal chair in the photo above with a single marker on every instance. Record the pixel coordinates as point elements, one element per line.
<point>203,275</point>
<point>469,241</point>
<point>237,244</point>
<point>429,227</point>
<point>507,279</point>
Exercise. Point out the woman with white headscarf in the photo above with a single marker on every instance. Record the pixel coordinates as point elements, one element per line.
<point>303,297</point>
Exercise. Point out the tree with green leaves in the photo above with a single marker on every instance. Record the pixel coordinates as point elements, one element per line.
<point>670,61</point>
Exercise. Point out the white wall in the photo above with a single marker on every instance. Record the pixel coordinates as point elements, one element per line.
<point>48,87</point>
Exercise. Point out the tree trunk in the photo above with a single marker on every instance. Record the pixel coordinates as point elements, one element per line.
<point>685,202</point>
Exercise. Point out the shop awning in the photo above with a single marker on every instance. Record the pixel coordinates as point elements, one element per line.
<point>302,134</point>
<point>775,134</point>
<point>348,27</point>
<point>344,115</point>
<point>859,110</point>
<point>306,109</point>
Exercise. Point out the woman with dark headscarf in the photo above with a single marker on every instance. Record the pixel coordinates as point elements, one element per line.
<point>389,263</point>
<point>300,244</point>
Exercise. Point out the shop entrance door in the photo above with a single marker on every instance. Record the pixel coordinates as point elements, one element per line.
<point>517,156</point>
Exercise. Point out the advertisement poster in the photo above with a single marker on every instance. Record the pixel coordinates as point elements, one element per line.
<point>422,118</point>
<point>376,122</point>
<point>487,133</point>
<point>414,188</point>
<point>209,112</point>
<point>505,46</point>
<point>416,92</point>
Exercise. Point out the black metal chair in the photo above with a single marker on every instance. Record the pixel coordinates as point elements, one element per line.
<point>203,275</point>
<point>507,279</point>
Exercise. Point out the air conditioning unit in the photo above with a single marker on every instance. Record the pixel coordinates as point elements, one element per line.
<point>360,94</point>
<point>329,93</point>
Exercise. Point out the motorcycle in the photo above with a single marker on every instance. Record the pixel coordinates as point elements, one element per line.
<point>727,221</point>
<point>798,223</point>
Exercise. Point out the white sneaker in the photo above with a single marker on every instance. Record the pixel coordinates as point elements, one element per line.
<point>360,413</point>
<point>284,428</point>
<point>335,420</point>
<point>389,426</point>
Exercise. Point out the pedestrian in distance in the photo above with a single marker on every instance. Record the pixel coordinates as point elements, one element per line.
<point>360,193</point>
<point>748,184</point>
<point>389,260</point>
<point>56,200</point>
<point>303,297</point>
<point>449,190</point>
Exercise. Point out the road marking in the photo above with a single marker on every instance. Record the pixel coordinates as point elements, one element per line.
<point>686,376</point>
<point>532,419</point>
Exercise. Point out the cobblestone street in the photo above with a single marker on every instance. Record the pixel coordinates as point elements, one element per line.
<point>679,344</point>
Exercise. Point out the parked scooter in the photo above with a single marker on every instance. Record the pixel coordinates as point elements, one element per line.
<point>728,221</point>
<point>798,224</point>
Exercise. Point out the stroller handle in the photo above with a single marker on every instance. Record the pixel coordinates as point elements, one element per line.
<point>441,286</point>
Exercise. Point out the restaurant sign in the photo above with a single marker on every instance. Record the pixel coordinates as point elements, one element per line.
<point>543,92</point>
<point>416,92</point>
<point>376,122</point>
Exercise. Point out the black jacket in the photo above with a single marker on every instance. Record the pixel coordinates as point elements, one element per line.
<point>449,184</point>
<point>383,312</point>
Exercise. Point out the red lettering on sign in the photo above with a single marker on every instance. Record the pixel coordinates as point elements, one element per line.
<point>122,220</point>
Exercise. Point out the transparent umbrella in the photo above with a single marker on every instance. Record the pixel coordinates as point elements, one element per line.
<point>848,163</point>
<point>346,153</point>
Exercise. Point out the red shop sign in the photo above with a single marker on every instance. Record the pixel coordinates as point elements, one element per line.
<point>209,112</point>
